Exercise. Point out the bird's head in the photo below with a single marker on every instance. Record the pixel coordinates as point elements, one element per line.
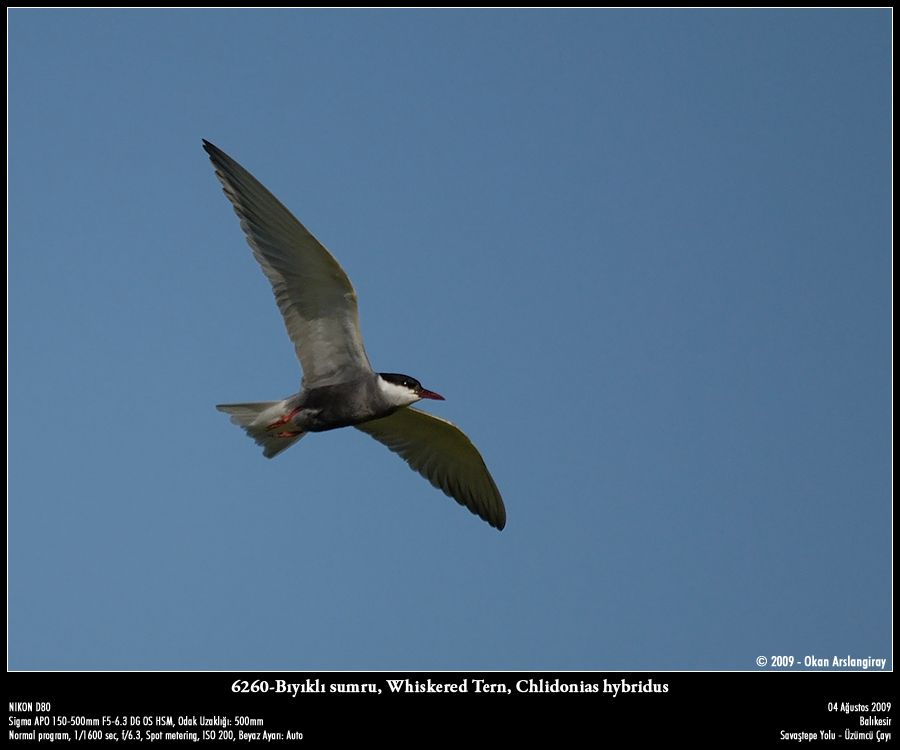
<point>402,390</point>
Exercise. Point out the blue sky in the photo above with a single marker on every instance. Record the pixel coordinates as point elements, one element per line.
<point>646,256</point>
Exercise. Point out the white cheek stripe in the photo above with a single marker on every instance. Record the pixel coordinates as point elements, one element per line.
<point>396,394</point>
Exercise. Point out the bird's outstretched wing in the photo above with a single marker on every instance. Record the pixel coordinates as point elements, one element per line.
<point>441,453</point>
<point>315,296</point>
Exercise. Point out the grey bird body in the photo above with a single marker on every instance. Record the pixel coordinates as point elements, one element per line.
<point>339,386</point>
<point>339,405</point>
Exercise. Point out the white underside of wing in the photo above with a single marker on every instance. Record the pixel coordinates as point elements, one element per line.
<point>441,452</point>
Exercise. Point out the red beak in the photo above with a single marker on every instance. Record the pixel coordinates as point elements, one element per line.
<point>431,394</point>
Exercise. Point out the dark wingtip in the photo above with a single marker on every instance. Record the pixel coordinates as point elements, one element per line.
<point>210,148</point>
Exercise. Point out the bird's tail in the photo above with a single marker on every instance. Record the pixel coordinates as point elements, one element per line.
<point>261,421</point>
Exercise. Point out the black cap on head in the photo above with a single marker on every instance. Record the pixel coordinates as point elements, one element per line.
<point>404,380</point>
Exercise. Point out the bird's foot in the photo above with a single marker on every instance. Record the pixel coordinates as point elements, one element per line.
<point>281,421</point>
<point>287,434</point>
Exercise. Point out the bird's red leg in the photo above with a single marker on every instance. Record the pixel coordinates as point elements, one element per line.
<point>285,419</point>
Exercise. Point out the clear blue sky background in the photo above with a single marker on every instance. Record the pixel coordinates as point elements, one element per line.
<point>646,256</point>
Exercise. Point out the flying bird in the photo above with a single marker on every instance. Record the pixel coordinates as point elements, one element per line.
<point>339,387</point>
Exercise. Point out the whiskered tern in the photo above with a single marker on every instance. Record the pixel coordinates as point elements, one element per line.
<point>339,386</point>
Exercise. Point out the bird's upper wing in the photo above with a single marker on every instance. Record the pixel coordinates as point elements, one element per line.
<point>441,453</point>
<point>315,296</point>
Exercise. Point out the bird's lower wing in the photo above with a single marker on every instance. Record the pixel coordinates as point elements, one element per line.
<point>441,453</point>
